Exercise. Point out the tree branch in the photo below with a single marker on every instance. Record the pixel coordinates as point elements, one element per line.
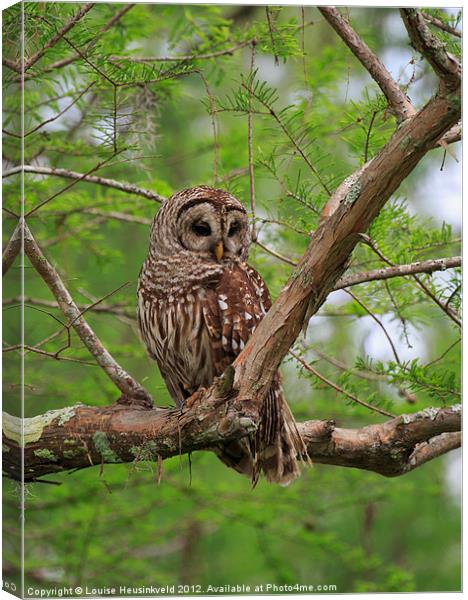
<point>350,211</point>
<point>190,57</point>
<point>74,57</point>
<point>445,65</point>
<point>124,382</point>
<point>424,266</point>
<point>12,249</point>
<point>129,188</point>
<point>81,436</point>
<point>397,99</point>
<point>58,36</point>
<point>112,309</point>
<point>441,25</point>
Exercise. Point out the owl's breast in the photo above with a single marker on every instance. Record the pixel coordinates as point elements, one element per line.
<point>196,333</point>
<point>175,333</point>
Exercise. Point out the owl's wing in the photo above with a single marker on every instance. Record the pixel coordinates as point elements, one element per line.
<point>232,309</point>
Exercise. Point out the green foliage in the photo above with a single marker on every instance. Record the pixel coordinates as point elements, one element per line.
<point>167,124</point>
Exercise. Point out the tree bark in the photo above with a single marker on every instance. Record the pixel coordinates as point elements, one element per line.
<point>83,436</point>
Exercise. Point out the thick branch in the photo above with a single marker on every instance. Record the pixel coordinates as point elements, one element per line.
<point>349,213</point>
<point>441,25</point>
<point>12,249</point>
<point>397,99</point>
<point>129,188</point>
<point>445,65</point>
<point>124,382</point>
<point>81,436</point>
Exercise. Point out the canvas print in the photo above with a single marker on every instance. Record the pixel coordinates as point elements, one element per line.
<point>231,289</point>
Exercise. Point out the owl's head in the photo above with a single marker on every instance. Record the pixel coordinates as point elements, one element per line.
<point>206,221</point>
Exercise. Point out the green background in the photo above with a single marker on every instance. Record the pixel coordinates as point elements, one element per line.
<point>116,526</point>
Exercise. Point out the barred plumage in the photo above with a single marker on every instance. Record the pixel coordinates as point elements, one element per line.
<point>198,304</point>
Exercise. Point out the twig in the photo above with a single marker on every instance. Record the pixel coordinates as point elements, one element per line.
<point>249,142</point>
<point>270,29</point>
<point>190,57</point>
<point>49,354</point>
<point>425,266</point>
<point>337,387</point>
<point>61,112</point>
<point>58,36</point>
<point>285,259</point>
<point>116,309</point>
<point>125,383</point>
<point>379,323</point>
<point>214,123</point>
<point>118,216</point>
<point>366,150</point>
<point>444,354</point>
<point>448,311</point>
<point>398,101</point>
<point>67,187</point>
<point>130,188</point>
<point>287,133</point>
<point>67,61</point>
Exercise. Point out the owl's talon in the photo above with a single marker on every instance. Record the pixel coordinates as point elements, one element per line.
<point>191,400</point>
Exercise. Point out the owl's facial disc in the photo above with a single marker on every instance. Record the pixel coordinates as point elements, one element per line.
<point>235,232</point>
<point>219,231</point>
<point>199,228</point>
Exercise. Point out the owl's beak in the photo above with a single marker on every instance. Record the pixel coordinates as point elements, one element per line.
<point>219,250</point>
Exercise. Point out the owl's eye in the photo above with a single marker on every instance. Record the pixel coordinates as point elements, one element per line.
<point>201,228</point>
<point>233,229</point>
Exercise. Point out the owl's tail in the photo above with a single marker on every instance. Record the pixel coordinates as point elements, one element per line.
<point>279,445</point>
<point>274,450</point>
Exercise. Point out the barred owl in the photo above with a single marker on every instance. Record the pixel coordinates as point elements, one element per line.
<point>198,304</point>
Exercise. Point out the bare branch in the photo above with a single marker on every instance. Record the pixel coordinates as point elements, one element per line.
<point>445,65</point>
<point>12,249</point>
<point>118,216</point>
<point>124,382</point>
<point>277,255</point>
<point>441,25</point>
<point>81,436</point>
<point>397,99</point>
<point>129,188</point>
<point>70,185</point>
<point>448,311</point>
<point>434,447</point>
<point>425,266</point>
